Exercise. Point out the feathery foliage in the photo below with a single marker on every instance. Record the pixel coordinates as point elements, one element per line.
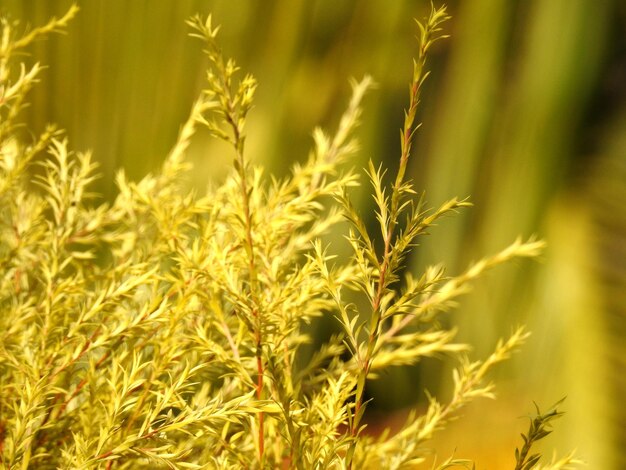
<point>164,330</point>
<point>540,427</point>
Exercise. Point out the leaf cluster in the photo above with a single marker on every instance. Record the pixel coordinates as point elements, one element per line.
<point>541,426</point>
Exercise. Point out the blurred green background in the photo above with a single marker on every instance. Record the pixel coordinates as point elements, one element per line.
<point>525,112</point>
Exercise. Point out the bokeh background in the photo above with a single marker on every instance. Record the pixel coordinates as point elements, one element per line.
<point>525,112</point>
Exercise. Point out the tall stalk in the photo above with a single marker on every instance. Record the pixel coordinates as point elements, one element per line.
<point>389,214</point>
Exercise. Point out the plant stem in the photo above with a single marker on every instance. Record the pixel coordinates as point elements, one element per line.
<point>234,121</point>
<point>408,132</point>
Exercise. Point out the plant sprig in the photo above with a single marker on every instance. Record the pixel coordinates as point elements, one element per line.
<point>541,426</point>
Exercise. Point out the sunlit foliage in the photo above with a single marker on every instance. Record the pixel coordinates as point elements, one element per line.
<point>164,330</point>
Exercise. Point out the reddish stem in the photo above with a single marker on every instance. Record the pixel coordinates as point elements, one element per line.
<point>259,394</point>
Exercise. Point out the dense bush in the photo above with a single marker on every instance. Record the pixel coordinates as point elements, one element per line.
<point>165,329</point>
